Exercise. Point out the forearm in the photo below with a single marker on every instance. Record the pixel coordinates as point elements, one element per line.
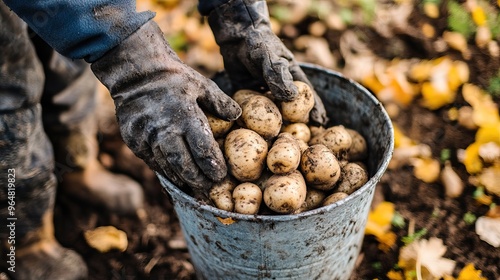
<point>81,29</point>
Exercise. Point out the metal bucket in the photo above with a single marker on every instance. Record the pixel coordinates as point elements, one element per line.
<point>323,243</point>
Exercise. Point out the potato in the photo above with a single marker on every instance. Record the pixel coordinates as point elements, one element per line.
<point>298,110</point>
<point>246,152</point>
<point>221,194</point>
<point>218,126</point>
<point>314,198</point>
<point>303,146</point>
<point>285,193</point>
<point>247,198</point>
<point>320,167</point>
<point>336,138</point>
<point>358,149</point>
<point>316,130</point>
<point>284,155</point>
<point>298,130</point>
<point>334,197</point>
<point>353,177</point>
<point>261,115</point>
<point>242,95</point>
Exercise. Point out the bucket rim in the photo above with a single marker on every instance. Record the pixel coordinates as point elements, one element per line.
<point>223,214</point>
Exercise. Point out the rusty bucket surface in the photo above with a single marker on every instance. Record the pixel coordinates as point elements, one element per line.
<point>323,243</point>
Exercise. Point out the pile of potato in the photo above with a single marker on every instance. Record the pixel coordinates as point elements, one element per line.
<point>274,156</point>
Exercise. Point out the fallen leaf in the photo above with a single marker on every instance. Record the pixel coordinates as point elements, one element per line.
<point>490,179</point>
<point>471,158</point>
<point>488,230</point>
<point>426,258</point>
<point>379,225</point>
<point>426,169</point>
<point>106,238</point>
<point>226,221</point>
<point>469,272</point>
<point>490,152</point>
<point>452,183</point>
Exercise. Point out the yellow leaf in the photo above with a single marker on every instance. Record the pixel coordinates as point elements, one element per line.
<point>453,114</point>
<point>372,83</point>
<point>106,238</point>
<point>458,74</point>
<point>387,241</point>
<point>426,169</point>
<point>394,275</point>
<point>478,16</point>
<point>421,71</point>
<point>469,272</point>
<point>401,140</point>
<point>471,160</point>
<point>436,94</point>
<point>488,133</point>
<point>431,9</point>
<point>484,199</point>
<point>485,109</point>
<point>379,225</point>
<point>382,214</point>
<point>226,221</point>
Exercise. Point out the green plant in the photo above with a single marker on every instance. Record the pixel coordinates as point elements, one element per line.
<point>460,20</point>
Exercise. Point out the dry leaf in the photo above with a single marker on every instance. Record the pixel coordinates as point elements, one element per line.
<point>425,257</point>
<point>485,109</point>
<point>426,169</point>
<point>106,238</point>
<point>226,221</point>
<point>431,9</point>
<point>403,155</point>
<point>458,42</point>
<point>488,230</point>
<point>465,118</point>
<point>453,184</point>
<point>490,152</point>
<point>490,179</point>
<point>483,36</point>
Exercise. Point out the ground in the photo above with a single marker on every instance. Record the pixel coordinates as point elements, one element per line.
<point>157,249</point>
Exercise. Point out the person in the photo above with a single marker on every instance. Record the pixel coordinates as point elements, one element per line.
<point>159,102</point>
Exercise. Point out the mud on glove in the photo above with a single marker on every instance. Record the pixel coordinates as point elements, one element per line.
<point>254,57</point>
<point>159,106</point>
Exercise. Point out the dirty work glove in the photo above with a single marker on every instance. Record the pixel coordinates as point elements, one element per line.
<point>159,102</point>
<point>254,57</point>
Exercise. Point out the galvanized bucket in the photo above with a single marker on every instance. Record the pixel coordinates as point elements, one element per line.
<point>319,244</point>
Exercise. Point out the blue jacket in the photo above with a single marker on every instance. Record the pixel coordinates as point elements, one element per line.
<point>86,28</point>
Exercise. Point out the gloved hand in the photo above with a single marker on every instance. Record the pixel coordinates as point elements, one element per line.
<point>254,57</point>
<point>159,102</point>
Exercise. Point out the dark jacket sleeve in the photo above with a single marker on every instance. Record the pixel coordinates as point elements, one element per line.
<point>81,29</point>
<point>206,6</point>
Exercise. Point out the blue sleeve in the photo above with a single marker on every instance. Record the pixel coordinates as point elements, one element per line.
<point>81,28</point>
<point>206,6</point>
